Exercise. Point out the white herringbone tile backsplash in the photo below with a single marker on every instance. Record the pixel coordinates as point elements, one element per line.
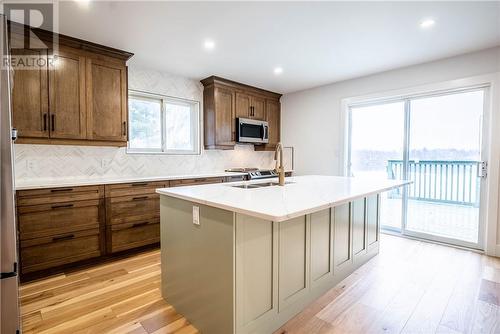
<point>58,161</point>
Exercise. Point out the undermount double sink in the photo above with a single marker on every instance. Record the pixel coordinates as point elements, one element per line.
<point>257,185</point>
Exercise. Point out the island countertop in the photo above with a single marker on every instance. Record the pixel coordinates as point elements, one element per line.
<point>301,195</point>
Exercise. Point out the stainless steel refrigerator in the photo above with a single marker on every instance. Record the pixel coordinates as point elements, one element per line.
<point>9,311</point>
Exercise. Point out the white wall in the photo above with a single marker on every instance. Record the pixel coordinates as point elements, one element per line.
<point>313,121</point>
<point>60,162</point>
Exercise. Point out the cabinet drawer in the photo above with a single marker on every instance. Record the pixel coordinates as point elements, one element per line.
<point>132,235</point>
<point>47,252</point>
<point>59,195</point>
<point>134,189</point>
<point>51,219</point>
<point>128,209</point>
<point>191,182</point>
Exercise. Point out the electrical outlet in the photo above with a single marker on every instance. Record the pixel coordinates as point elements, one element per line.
<point>105,163</point>
<point>31,165</point>
<point>196,215</point>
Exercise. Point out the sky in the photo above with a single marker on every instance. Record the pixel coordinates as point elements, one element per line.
<point>443,122</point>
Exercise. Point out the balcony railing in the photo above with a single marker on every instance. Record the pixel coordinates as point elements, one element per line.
<point>453,182</point>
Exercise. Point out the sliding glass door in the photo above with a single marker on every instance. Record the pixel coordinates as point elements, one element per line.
<point>376,137</point>
<point>435,141</point>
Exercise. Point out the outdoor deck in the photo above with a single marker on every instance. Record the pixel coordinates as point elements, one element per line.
<point>442,219</point>
<point>443,199</point>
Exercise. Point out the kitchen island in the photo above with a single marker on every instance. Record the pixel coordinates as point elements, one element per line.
<point>245,257</point>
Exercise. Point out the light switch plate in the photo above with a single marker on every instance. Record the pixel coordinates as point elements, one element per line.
<point>196,215</point>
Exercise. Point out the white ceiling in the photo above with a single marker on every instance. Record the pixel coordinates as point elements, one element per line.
<point>315,43</point>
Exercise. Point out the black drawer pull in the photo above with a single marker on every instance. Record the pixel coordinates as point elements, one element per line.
<point>140,224</point>
<point>64,237</point>
<point>62,206</point>
<point>59,190</point>
<point>139,184</point>
<point>140,198</point>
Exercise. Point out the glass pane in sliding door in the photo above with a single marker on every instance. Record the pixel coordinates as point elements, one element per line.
<point>444,151</point>
<point>376,151</point>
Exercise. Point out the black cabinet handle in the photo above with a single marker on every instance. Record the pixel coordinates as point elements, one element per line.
<point>64,237</point>
<point>62,206</point>
<point>139,184</point>
<point>140,224</point>
<point>53,122</point>
<point>139,198</point>
<point>59,190</point>
<point>44,122</point>
<point>124,128</point>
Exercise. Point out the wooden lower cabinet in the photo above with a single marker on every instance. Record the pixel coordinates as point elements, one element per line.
<point>132,215</point>
<point>47,252</point>
<point>192,182</point>
<point>60,227</point>
<point>132,235</point>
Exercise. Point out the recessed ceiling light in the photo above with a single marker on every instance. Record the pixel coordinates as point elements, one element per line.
<point>209,44</point>
<point>83,3</point>
<point>427,23</point>
<point>278,70</point>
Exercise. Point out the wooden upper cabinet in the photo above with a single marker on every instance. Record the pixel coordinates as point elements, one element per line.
<point>224,101</point>
<point>258,108</point>
<point>249,106</point>
<point>243,106</point>
<point>80,98</point>
<point>273,115</point>
<point>67,96</point>
<point>30,105</point>
<point>106,100</point>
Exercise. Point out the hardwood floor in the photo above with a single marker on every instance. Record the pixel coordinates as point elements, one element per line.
<point>410,287</point>
<point>118,297</point>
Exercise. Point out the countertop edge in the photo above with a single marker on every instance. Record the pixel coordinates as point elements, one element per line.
<point>292,215</point>
<point>58,183</point>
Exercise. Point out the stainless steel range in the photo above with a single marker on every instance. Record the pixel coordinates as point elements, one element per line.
<point>262,174</point>
<point>255,173</point>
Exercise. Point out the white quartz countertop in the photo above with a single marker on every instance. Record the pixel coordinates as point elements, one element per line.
<point>40,183</point>
<point>302,195</point>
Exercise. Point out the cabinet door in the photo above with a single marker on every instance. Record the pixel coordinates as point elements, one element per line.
<point>342,245</point>
<point>225,125</point>
<point>106,100</point>
<point>321,248</point>
<point>30,97</point>
<point>358,227</point>
<point>293,261</point>
<point>273,118</point>
<point>67,96</point>
<point>258,105</point>
<point>243,103</point>
<point>372,220</point>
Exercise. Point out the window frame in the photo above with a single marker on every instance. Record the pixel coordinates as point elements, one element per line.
<point>165,99</point>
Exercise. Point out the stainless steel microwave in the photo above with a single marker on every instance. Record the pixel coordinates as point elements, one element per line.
<point>252,131</point>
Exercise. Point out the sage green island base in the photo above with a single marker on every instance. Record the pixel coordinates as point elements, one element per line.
<point>235,273</point>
